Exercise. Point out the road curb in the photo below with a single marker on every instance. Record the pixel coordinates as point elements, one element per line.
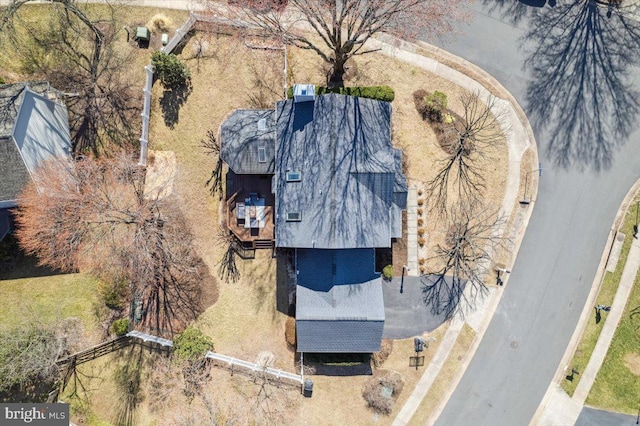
<point>587,311</point>
<point>449,66</point>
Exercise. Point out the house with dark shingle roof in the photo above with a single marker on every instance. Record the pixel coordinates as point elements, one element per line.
<point>34,127</point>
<point>338,193</point>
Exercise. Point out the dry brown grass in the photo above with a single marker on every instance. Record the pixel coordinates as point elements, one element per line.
<point>632,362</point>
<point>448,372</point>
<point>12,71</point>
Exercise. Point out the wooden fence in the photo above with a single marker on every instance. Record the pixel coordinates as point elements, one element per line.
<point>177,38</point>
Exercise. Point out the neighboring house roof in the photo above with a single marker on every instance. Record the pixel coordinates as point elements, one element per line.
<point>33,128</point>
<point>351,187</point>
<point>247,144</point>
<point>339,302</point>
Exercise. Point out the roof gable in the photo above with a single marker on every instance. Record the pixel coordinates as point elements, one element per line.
<point>33,129</point>
<point>247,140</point>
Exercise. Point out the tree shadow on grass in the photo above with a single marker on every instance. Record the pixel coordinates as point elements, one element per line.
<point>127,378</point>
<point>16,264</point>
<point>172,100</point>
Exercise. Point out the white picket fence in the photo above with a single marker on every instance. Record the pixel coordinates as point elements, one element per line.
<point>232,363</point>
<point>226,361</point>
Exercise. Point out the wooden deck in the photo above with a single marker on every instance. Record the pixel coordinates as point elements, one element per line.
<point>240,187</point>
<point>250,234</point>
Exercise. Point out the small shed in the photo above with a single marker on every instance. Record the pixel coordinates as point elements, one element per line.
<point>143,33</point>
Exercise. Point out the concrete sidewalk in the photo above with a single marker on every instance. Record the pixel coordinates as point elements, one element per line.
<point>519,139</point>
<point>557,408</point>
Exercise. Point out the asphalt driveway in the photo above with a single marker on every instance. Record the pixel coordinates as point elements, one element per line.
<point>406,314</point>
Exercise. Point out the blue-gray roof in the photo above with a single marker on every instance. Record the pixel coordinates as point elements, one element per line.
<point>351,175</point>
<point>33,128</point>
<point>242,139</point>
<point>339,301</point>
<point>339,336</point>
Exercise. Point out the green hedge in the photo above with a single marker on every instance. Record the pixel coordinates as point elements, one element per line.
<point>191,344</point>
<point>387,272</point>
<point>120,326</point>
<point>381,93</point>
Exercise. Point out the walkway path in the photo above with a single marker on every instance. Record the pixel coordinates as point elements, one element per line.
<point>412,232</point>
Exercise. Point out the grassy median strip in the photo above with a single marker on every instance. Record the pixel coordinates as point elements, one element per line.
<point>616,386</point>
<point>446,375</point>
<point>605,297</point>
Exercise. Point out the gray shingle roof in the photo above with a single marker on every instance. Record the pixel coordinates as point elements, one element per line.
<point>351,175</point>
<point>241,141</point>
<point>11,96</point>
<point>13,172</point>
<point>33,128</point>
<point>339,301</point>
<point>339,336</point>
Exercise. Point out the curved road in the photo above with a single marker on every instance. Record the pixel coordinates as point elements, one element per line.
<point>566,66</point>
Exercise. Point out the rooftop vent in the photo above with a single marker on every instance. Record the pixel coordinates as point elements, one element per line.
<point>304,93</point>
<point>262,155</point>
<point>262,124</point>
<point>294,176</point>
<point>294,217</point>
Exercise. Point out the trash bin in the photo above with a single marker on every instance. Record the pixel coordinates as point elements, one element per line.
<point>308,388</point>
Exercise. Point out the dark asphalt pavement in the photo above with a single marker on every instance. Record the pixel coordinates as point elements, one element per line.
<point>593,417</point>
<point>572,70</point>
<point>406,315</point>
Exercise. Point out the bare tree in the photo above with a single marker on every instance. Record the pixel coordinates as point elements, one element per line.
<point>460,264</point>
<point>211,146</point>
<point>76,53</point>
<point>341,29</point>
<point>466,140</point>
<point>94,215</point>
<point>30,350</point>
<point>227,267</point>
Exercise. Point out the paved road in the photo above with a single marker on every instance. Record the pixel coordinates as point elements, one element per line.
<point>555,62</point>
<point>592,417</point>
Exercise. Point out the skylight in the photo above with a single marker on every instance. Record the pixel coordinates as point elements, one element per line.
<point>294,176</point>
<point>294,217</point>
